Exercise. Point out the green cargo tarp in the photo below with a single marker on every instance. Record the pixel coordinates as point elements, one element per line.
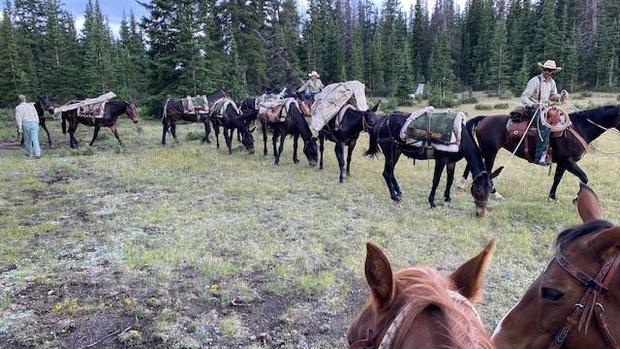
<point>434,127</point>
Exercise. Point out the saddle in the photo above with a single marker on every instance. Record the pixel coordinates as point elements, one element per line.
<point>553,117</point>
<point>195,105</point>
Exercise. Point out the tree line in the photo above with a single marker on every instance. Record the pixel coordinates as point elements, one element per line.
<point>182,47</point>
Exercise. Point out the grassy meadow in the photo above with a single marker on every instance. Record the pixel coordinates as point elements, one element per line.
<point>184,246</point>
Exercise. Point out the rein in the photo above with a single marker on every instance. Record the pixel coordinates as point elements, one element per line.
<point>591,304</point>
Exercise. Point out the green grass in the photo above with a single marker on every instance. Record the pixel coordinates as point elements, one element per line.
<point>212,249</point>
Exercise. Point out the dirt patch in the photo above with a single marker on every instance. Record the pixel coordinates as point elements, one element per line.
<point>10,145</point>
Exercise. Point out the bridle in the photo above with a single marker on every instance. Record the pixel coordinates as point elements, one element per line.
<point>591,303</point>
<point>479,203</point>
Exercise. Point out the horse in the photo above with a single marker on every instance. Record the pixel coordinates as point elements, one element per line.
<point>294,124</point>
<point>41,105</point>
<point>346,134</point>
<point>172,111</point>
<point>420,308</point>
<point>224,113</point>
<point>111,113</point>
<point>382,139</point>
<point>567,150</point>
<point>574,302</point>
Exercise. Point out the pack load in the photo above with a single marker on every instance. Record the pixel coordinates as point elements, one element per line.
<point>437,130</point>
<point>218,109</point>
<point>267,97</point>
<point>553,117</point>
<point>90,107</point>
<point>195,105</point>
<point>333,98</point>
<point>275,110</point>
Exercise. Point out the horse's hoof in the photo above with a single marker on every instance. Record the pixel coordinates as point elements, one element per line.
<point>396,198</point>
<point>498,196</point>
<point>447,199</point>
<point>553,200</point>
<point>295,161</point>
<point>461,188</point>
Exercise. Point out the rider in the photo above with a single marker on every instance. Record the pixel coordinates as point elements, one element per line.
<point>540,90</point>
<point>313,86</point>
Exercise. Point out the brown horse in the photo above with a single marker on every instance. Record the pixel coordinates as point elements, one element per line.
<point>575,302</point>
<point>113,110</point>
<point>420,308</point>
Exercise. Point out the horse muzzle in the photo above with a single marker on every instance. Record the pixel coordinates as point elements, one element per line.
<point>313,163</point>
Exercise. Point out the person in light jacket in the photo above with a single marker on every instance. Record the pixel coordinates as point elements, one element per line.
<point>27,121</point>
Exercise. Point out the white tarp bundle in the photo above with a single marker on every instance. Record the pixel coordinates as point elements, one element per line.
<point>87,102</point>
<point>334,97</point>
<point>455,138</point>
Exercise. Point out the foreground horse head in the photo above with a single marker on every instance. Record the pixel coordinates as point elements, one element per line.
<point>574,302</point>
<point>420,308</point>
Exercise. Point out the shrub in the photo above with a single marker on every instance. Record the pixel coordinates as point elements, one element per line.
<point>447,102</point>
<point>618,98</point>
<point>388,104</point>
<point>501,106</point>
<point>483,107</point>
<point>194,135</point>
<point>586,94</point>
<point>468,100</point>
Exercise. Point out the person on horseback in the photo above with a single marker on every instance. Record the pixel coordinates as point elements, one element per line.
<point>313,86</point>
<point>539,91</point>
<point>27,121</point>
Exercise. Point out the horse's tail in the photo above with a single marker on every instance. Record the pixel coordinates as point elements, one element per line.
<point>373,146</point>
<point>63,123</point>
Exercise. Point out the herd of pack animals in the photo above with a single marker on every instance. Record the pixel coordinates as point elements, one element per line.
<point>574,303</point>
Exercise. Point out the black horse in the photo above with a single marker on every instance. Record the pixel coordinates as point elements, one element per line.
<point>567,149</point>
<point>294,124</point>
<point>172,111</point>
<point>346,134</point>
<point>231,119</point>
<point>382,139</point>
<point>41,105</point>
<point>112,111</point>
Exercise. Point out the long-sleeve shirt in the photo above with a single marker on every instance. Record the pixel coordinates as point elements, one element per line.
<point>25,112</point>
<point>539,86</point>
<point>312,86</point>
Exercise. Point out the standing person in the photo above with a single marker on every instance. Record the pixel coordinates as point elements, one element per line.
<point>27,121</point>
<point>312,86</point>
<point>539,91</point>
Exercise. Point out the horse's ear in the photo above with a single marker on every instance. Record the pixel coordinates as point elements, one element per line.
<point>468,277</point>
<point>376,107</point>
<point>497,172</point>
<point>379,275</point>
<point>606,244</point>
<point>588,204</point>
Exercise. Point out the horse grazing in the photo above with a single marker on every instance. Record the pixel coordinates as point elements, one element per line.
<point>573,304</point>
<point>382,139</point>
<point>41,105</point>
<point>172,111</point>
<point>224,113</point>
<point>421,308</point>
<point>294,124</point>
<point>113,109</point>
<point>346,134</point>
<point>567,150</point>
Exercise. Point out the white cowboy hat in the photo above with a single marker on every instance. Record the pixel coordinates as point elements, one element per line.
<point>314,73</point>
<point>549,64</point>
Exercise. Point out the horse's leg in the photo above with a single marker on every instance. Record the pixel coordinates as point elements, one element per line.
<point>95,133</point>
<point>274,143</point>
<point>216,129</point>
<point>295,140</point>
<point>321,149</point>
<point>165,127</point>
<point>395,157</point>
<point>42,124</point>
<point>388,172</point>
<point>439,166</point>
<point>463,181</point>
<point>573,168</point>
<point>349,154</point>
<point>264,128</point>
<point>559,172</point>
<point>207,131</point>
<point>489,160</point>
<point>339,150</point>
<point>173,130</point>
<point>281,147</point>
<point>450,168</point>
<point>72,140</point>
<point>228,139</point>
<point>115,131</point>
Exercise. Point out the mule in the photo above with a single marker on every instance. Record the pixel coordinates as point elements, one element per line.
<point>421,308</point>
<point>382,140</point>
<point>346,135</point>
<point>113,109</point>
<point>42,105</point>
<point>172,111</point>
<point>229,120</point>
<point>567,151</point>
<point>573,304</point>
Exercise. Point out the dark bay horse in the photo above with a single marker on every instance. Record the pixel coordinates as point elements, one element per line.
<point>382,139</point>
<point>346,134</point>
<point>230,118</point>
<point>567,150</point>
<point>172,111</point>
<point>294,124</point>
<point>42,105</point>
<point>419,308</point>
<point>573,304</point>
<point>113,109</point>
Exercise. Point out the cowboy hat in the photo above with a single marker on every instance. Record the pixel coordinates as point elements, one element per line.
<point>314,73</point>
<point>549,64</point>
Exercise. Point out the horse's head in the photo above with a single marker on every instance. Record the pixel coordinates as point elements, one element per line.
<point>132,112</point>
<point>569,292</point>
<point>311,151</point>
<point>481,188</point>
<point>414,300</point>
<point>242,124</point>
<point>46,104</point>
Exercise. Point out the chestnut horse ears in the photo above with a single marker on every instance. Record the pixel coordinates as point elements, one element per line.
<point>468,278</point>
<point>606,244</point>
<point>379,275</point>
<point>588,204</point>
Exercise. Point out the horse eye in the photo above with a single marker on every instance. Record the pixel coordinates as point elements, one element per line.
<point>551,294</point>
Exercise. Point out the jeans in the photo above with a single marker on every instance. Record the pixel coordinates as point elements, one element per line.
<point>544,131</point>
<point>308,96</point>
<point>31,138</point>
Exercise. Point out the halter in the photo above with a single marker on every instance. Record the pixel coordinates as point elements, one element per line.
<point>476,201</point>
<point>591,303</point>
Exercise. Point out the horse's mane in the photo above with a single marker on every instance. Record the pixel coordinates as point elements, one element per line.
<point>577,232</point>
<point>589,113</point>
<point>425,288</point>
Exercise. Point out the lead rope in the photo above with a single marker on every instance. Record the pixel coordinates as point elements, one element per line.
<point>616,132</point>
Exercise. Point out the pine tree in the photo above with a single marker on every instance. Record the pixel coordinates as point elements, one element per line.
<point>547,40</point>
<point>12,77</point>
<point>98,67</point>
<point>499,58</point>
<point>357,56</point>
<point>442,75</point>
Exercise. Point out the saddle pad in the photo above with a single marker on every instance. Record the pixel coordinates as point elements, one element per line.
<point>436,127</point>
<point>219,107</point>
<point>192,105</point>
<point>263,98</point>
<point>455,121</point>
<point>92,110</point>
